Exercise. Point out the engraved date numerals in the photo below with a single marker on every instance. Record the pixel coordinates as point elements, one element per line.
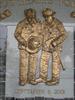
<point>57,91</point>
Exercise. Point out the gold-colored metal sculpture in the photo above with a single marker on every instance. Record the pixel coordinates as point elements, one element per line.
<point>33,35</point>
<point>28,34</point>
<point>6,13</point>
<point>54,35</point>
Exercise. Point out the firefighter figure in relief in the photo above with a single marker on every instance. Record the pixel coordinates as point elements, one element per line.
<point>28,35</point>
<point>54,36</point>
<point>32,35</point>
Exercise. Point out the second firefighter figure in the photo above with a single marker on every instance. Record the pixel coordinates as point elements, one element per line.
<point>54,35</point>
<point>32,35</point>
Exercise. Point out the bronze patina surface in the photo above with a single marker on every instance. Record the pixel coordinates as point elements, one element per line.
<point>32,35</point>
